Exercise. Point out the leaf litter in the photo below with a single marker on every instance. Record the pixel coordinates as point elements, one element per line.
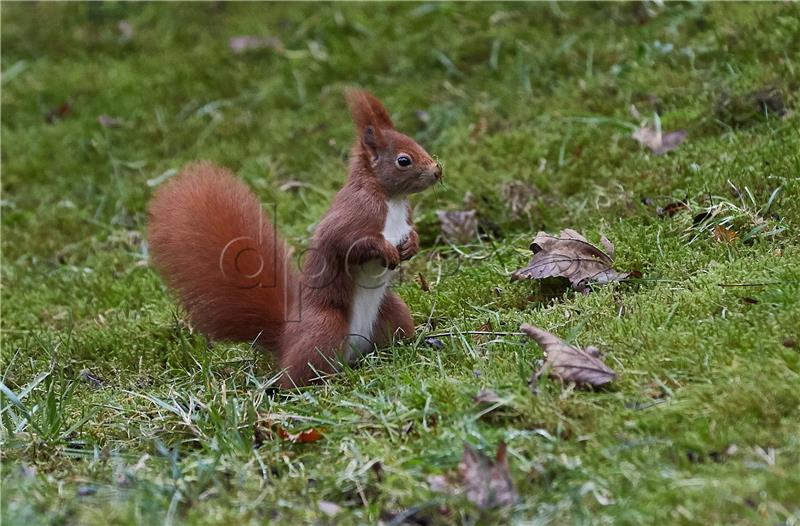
<point>655,139</point>
<point>572,257</point>
<point>568,363</point>
<point>486,396</point>
<point>266,429</point>
<point>487,483</point>
<point>459,226</point>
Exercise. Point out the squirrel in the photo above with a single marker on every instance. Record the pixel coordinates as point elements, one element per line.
<point>214,246</point>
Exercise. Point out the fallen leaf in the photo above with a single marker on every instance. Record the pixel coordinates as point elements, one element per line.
<point>329,508</point>
<point>569,256</point>
<point>59,112</point>
<point>724,235</point>
<point>459,226</point>
<point>303,437</point>
<point>436,343</point>
<point>486,396</point>
<point>657,141</point>
<point>486,483</point>
<point>91,379</point>
<point>241,44</point>
<point>671,209</point>
<point>608,245</point>
<point>107,121</point>
<point>567,362</point>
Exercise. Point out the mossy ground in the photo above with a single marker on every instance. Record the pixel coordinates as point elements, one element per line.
<point>703,424</point>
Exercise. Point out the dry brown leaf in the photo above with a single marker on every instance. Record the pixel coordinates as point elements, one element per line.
<point>671,209</point>
<point>657,141</point>
<point>608,245</point>
<point>58,112</point>
<point>570,256</point>
<point>486,396</point>
<point>459,226</point>
<point>724,235</point>
<point>303,437</point>
<point>567,362</point>
<point>486,483</point>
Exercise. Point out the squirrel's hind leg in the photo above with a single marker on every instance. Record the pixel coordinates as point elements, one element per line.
<point>311,347</point>
<point>394,320</point>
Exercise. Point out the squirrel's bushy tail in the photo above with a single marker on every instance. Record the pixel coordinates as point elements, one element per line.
<point>213,245</point>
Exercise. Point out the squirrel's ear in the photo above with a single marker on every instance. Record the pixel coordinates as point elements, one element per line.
<point>367,110</point>
<point>372,141</point>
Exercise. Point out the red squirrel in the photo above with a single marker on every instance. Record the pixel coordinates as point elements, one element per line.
<point>213,245</point>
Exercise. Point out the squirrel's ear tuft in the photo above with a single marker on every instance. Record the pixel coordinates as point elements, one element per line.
<point>367,110</point>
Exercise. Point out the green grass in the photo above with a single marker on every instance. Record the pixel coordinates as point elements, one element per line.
<point>538,94</point>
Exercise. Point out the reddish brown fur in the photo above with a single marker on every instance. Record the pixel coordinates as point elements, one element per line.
<point>195,216</point>
<point>192,220</point>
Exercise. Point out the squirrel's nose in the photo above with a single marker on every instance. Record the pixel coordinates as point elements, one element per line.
<point>437,172</point>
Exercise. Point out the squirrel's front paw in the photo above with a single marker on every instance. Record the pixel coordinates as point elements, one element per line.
<point>409,247</point>
<point>391,256</point>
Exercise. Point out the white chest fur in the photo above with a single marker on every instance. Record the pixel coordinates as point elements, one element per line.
<point>371,281</point>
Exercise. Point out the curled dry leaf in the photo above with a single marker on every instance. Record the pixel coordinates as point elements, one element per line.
<point>486,396</point>
<point>267,428</point>
<point>724,235</point>
<point>486,483</point>
<point>570,256</point>
<point>567,362</point>
<point>459,226</point>
<point>657,141</point>
<point>303,437</point>
<point>92,379</point>
<point>608,245</point>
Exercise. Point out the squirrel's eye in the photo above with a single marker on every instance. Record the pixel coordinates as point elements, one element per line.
<point>403,161</point>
